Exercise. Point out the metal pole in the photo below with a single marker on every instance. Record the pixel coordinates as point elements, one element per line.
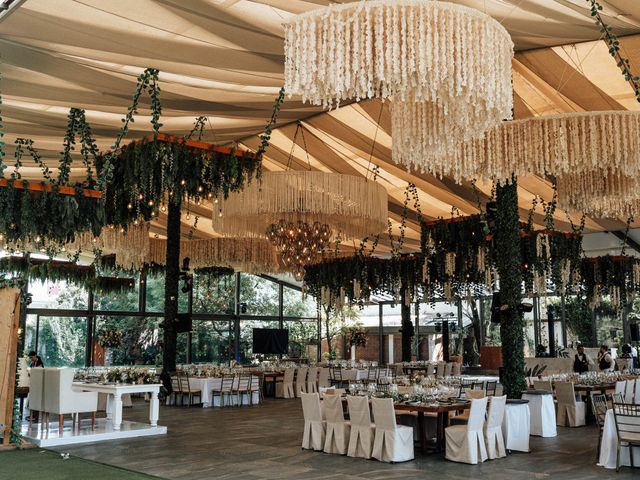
<point>319,333</point>
<point>88,357</point>
<point>142,291</point>
<point>594,327</point>
<point>417,331</point>
<point>236,322</point>
<point>626,330</point>
<point>482,313</point>
<point>380,335</point>
<point>536,321</point>
<point>280,309</point>
<point>190,334</point>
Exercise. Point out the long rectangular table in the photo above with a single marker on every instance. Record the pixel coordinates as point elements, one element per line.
<point>114,398</point>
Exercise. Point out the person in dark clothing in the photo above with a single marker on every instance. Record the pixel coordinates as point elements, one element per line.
<point>35,360</point>
<point>605,362</point>
<point>581,361</point>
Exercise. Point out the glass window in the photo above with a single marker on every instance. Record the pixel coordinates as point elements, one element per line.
<point>212,342</point>
<point>121,301</point>
<point>62,341</point>
<point>214,295</point>
<point>59,294</point>
<point>155,294</point>
<point>303,339</point>
<point>259,295</point>
<point>137,341</point>
<point>294,305</point>
<point>30,333</point>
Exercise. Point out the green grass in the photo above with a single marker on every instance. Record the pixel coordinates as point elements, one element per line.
<point>39,464</point>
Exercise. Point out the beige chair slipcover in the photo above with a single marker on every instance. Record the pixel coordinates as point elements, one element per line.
<point>448,367</point>
<point>286,385</point>
<point>629,391</point>
<point>455,370</point>
<point>493,428</point>
<point>545,385</point>
<point>465,443</point>
<point>301,380</point>
<point>338,430</point>
<point>362,430</point>
<point>323,377</point>
<point>36,393</point>
<point>440,370</point>
<point>392,442</point>
<point>314,426</point>
<point>312,380</point>
<point>620,387</point>
<point>570,410</point>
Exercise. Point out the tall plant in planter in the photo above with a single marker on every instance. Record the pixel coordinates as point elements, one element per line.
<point>509,267</point>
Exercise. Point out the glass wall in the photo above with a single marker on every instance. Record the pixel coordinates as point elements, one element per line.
<point>62,341</point>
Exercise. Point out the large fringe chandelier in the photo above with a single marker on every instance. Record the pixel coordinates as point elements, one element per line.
<point>564,144</point>
<point>250,255</point>
<point>344,206</point>
<point>447,67</point>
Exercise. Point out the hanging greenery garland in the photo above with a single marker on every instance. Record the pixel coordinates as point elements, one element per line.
<point>54,210</point>
<point>617,276</point>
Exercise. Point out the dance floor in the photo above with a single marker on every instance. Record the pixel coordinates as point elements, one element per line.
<point>254,443</point>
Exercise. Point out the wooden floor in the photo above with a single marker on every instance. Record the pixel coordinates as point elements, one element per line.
<point>264,443</point>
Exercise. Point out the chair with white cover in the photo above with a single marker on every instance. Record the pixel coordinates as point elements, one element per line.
<point>469,394</point>
<point>338,430</point>
<point>455,370</point>
<point>637,395</point>
<point>493,428</point>
<point>392,442</point>
<point>312,380</point>
<point>570,410</point>
<point>36,394</point>
<point>362,430</point>
<point>287,384</point>
<point>440,369</point>
<point>301,380</point>
<point>61,399</point>
<point>621,386</point>
<point>448,367</point>
<point>323,377</point>
<point>465,443</point>
<point>314,426</point>
<point>545,385</point>
<point>629,391</point>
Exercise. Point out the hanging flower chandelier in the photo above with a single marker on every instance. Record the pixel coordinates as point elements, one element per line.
<point>447,67</point>
<point>250,255</point>
<point>337,206</point>
<point>299,243</point>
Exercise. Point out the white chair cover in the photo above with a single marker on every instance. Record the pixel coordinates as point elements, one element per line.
<point>543,385</point>
<point>440,370</point>
<point>361,436</point>
<point>620,387</point>
<point>570,410</point>
<point>637,395</point>
<point>493,429</point>
<point>301,380</point>
<point>447,369</point>
<point>36,390</point>
<point>312,380</point>
<point>543,414</point>
<point>287,383</point>
<point>392,442</point>
<point>455,370</point>
<point>516,427</point>
<point>314,426</point>
<point>629,391</point>
<point>323,377</point>
<point>337,437</point>
<point>465,443</point>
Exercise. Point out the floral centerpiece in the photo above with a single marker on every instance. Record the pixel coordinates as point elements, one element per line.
<point>109,338</point>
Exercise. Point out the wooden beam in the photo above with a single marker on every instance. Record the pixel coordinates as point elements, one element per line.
<point>48,187</point>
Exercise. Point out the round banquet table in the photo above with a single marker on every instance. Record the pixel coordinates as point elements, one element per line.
<point>543,413</point>
<point>608,448</point>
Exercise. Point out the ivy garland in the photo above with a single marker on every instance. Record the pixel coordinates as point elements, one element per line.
<point>617,276</point>
<point>43,217</point>
<point>358,277</point>
<point>27,269</point>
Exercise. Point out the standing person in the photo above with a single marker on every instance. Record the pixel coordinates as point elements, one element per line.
<point>581,361</point>
<point>35,360</point>
<point>605,362</point>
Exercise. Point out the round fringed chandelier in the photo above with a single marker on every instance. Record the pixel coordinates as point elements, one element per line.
<point>299,243</point>
<point>312,208</point>
<point>447,67</point>
<point>564,144</point>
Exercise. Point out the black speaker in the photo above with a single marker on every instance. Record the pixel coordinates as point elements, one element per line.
<point>635,332</point>
<point>183,323</point>
<point>495,308</point>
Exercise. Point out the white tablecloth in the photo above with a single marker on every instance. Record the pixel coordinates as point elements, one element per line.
<point>609,446</point>
<point>543,414</point>
<point>516,427</point>
<point>207,384</point>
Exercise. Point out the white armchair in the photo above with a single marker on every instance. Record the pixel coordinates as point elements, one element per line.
<point>36,394</point>
<point>61,398</point>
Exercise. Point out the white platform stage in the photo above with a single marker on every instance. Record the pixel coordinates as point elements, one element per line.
<point>103,431</point>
